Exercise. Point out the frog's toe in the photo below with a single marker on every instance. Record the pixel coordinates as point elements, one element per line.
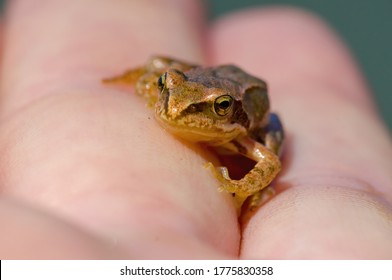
<point>261,197</point>
<point>221,173</point>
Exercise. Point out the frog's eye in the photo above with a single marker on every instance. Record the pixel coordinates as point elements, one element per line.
<point>223,105</point>
<point>162,81</point>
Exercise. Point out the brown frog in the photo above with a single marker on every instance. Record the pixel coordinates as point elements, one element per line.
<point>223,107</point>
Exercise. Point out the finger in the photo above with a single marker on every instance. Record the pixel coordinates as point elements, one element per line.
<point>52,45</point>
<point>30,233</point>
<point>337,163</point>
<point>94,155</point>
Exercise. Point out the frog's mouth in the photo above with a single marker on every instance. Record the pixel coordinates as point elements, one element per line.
<point>201,132</point>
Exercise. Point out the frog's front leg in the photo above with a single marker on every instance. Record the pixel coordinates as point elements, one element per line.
<point>273,139</point>
<point>267,167</point>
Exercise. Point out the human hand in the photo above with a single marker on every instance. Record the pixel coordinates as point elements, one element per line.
<point>87,173</point>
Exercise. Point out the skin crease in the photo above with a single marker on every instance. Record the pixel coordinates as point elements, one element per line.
<point>74,154</point>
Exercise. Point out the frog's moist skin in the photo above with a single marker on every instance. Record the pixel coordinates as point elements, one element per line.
<point>219,106</point>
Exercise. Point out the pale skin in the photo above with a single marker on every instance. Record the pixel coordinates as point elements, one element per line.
<point>79,171</point>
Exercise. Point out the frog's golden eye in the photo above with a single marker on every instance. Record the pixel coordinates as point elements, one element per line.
<point>162,81</point>
<point>223,105</point>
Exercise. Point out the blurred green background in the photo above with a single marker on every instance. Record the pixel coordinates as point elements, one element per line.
<point>365,25</point>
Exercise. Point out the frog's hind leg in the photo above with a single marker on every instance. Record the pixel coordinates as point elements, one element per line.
<point>274,136</point>
<point>144,82</point>
<point>145,78</point>
<point>129,77</point>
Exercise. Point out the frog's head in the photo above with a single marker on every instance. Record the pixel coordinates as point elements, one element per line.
<point>199,109</point>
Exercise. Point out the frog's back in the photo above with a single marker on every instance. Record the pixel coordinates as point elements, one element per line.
<point>240,77</point>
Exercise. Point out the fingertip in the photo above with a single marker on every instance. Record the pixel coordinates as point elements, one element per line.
<point>335,220</point>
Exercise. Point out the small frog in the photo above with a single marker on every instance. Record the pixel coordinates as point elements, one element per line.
<point>223,107</point>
